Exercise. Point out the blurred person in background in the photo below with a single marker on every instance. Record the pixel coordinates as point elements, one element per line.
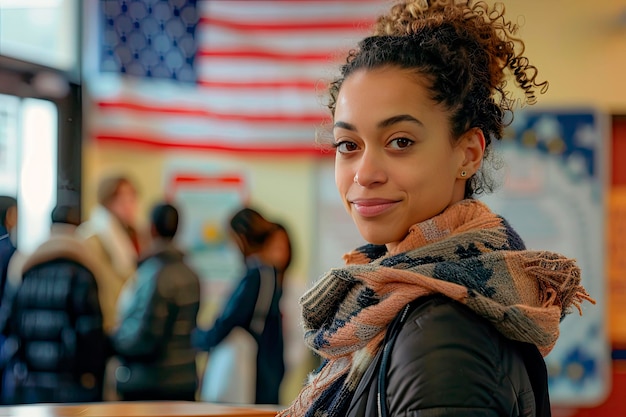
<point>55,348</point>
<point>277,251</point>
<point>8,223</point>
<point>153,340</point>
<point>112,236</point>
<point>254,305</point>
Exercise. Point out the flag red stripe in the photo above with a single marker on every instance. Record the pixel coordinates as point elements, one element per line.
<point>275,150</point>
<point>292,84</point>
<point>286,26</point>
<point>191,112</point>
<point>197,180</point>
<point>192,179</point>
<point>264,54</point>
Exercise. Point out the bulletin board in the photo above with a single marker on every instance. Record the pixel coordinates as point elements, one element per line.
<point>206,197</point>
<point>553,193</point>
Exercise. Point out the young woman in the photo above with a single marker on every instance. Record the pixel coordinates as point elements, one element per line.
<point>444,313</point>
<point>254,305</point>
<point>111,235</point>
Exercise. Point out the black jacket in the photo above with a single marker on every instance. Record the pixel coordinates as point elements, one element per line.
<point>6,252</point>
<point>55,348</point>
<point>447,361</point>
<point>153,340</point>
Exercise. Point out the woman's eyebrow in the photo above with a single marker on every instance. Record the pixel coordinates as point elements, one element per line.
<point>344,125</point>
<point>382,124</point>
<point>397,119</point>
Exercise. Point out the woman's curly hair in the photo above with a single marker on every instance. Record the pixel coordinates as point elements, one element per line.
<point>466,50</point>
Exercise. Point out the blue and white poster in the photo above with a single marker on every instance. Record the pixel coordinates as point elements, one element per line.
<point>553,193</point>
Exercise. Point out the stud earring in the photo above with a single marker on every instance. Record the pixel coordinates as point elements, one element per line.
<point>463,174</point>
<point>356,179</point>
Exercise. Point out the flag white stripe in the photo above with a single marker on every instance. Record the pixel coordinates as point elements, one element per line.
<point>292,11</point>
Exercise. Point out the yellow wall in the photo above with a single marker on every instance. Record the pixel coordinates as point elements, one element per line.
<point>578,47</point>
<point>283,189</point>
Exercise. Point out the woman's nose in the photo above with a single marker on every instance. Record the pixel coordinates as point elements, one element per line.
<point>370,169</point>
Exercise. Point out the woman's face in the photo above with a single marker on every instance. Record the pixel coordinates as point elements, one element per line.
<point>124,204</point>
<point>396,164</point>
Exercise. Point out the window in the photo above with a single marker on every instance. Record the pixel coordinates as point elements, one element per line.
<point>28,164</point>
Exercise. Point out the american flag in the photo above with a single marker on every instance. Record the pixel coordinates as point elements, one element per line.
<point>261,68</point>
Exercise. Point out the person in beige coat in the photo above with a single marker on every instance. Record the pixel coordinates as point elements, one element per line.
<point>111,235</point>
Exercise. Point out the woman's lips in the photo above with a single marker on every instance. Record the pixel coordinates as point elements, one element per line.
<point>372,207</point>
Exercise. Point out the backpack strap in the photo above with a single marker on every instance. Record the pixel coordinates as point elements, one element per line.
<point>267,287</point>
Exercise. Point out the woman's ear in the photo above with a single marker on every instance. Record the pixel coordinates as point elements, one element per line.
<point>472,144</point>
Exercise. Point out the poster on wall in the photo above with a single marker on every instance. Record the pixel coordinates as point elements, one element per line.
<point>206,198</point>
<point>553,194</point>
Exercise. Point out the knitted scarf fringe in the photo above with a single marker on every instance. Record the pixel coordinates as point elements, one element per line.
<point>559,279</point>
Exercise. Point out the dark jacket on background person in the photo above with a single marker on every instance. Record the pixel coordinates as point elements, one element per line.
<point>7,249</point>
<point>55,348</point>
<point>153,339</point>
<point>439,338</point>
<point>238,312</point>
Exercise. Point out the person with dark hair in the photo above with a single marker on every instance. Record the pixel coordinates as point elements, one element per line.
<point>164,219</point>
<point>444,312</point>
<point>111,234</point>
<point>254,306</point>
<point>8,221</point>
<point>55,348</point>
<point>277,251</point>
<point>153,339</point>
<point>66,215</point>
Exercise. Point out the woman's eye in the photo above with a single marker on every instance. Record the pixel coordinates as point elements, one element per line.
<point>401,143</point>
<point>345,147</point>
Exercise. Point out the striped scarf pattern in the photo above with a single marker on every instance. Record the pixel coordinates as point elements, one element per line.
<point>466,253</point>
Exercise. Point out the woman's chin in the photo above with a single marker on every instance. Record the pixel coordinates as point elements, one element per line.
<point>379,238</point>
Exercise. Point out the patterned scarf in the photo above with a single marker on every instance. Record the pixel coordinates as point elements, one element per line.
<point>468,254</point>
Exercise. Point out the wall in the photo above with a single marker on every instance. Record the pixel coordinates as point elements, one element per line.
<point>579,47</point>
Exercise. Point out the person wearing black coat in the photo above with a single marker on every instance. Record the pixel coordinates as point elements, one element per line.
<point>8,220</point>
<point>157,313</point>
<point>55,347</point>
<point>432,351</point>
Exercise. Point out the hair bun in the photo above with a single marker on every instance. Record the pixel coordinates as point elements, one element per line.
<point>478,23</point>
